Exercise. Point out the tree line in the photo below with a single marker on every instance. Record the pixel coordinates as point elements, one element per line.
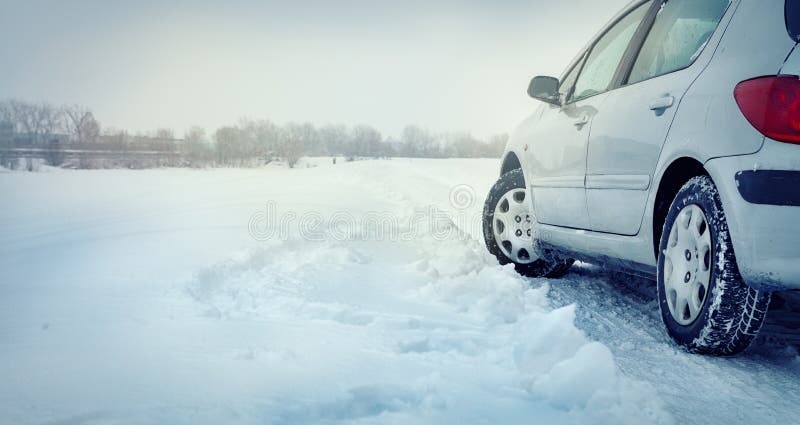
<point>74,129</point>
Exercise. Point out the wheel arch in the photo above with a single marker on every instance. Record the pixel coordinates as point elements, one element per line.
<point>680,171</point>
<point>510,163</point>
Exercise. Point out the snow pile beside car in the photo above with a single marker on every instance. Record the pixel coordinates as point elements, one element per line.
<point>441,342</point>
<point>425,330</point>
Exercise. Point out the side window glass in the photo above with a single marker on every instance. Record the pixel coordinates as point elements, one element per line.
<point>681,31</point>
<point>602,62</point>
<point>568,82</point>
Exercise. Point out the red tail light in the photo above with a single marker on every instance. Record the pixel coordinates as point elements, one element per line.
<point>772,106</point>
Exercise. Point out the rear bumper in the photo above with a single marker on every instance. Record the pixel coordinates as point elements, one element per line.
<point>770,187</point>
<point>761,197</point>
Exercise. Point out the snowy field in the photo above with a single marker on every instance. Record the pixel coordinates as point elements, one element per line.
<point>354,293</point>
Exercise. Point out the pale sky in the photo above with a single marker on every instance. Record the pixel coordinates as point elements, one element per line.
<point>444,65</point>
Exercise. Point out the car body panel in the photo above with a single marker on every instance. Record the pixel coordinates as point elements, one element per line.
<point>765,237</point>
<point>556,161</point>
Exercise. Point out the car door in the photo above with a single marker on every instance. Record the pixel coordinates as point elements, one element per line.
<point>626,140</point>
<point>558,159</point>
<point>559,141</point>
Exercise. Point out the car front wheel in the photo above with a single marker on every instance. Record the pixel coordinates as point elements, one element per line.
<point>508,229</point>
<point>705,304</point>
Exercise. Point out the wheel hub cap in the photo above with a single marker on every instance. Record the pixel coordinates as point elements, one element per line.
<point>512,226</point>
<point>687,265</point>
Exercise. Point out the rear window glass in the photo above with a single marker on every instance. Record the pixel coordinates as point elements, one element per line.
<point>793,19</point>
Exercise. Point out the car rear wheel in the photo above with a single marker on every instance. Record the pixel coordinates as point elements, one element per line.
<point>508,229</point>
<point>705,304</point>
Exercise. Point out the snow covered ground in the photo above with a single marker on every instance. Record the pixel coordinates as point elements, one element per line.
<point>354,293</point>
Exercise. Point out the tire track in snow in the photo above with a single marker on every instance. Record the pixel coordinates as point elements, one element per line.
<point>620,310</point>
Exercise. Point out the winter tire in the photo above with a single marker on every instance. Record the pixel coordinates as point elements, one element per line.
<point>705,304</point>
<point>507,229</point>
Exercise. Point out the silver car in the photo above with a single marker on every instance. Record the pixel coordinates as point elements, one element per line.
<point>670,147</point>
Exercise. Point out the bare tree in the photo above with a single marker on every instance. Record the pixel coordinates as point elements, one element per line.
<point>262,137</point>
<point>366,141</point>
<point>195,148</point>
<point>462,145</point>
<point>16,113</point>
<point>50,119</point>
<point>7,129</point>
<point>227,145</point>
<point>23,117</point>
<point>54,154</point>
<point>295,138</point>
<point>37,122</point>
<point>80,124</point>
<point>6,113</point>
<point>116,139</point>
<point>418,142</point>
<point>164,133</point>
<point>334,138</point>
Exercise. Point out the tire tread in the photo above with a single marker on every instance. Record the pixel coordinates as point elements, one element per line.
<point>734,312</point>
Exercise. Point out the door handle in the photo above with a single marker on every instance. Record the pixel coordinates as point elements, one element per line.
<point>583,120</point>
<point>662,103</point>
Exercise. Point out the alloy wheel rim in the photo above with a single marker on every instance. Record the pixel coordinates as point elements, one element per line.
<point>687,265</point>
<point>512,226</point>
